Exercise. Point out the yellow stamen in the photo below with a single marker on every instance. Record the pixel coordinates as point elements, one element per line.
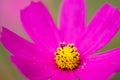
<point>67,57</point>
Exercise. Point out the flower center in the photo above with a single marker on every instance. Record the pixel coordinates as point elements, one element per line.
<point>67,57</point>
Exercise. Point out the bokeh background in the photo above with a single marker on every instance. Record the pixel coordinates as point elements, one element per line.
<point>10,18</point>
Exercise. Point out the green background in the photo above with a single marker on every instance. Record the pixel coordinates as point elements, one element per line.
<point>9,72</point>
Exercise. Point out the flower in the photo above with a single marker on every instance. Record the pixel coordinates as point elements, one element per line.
<point>65,53</point>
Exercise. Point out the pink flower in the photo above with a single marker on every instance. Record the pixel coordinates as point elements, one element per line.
<point>65,53</point>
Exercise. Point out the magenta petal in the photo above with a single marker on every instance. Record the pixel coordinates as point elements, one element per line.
<point>100,66</point>
<point>72,19</point>
<point>20,47</point>
<point>40,26</point>
<point>100,30</point>
<point>34,70</point>
<point>64,75</point>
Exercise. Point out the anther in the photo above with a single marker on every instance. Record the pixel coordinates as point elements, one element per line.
<point>62,44</point>
<point>57,54</point>
<point>72,51</point>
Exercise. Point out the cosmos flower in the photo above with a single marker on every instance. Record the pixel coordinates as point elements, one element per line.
<point>66,53</point>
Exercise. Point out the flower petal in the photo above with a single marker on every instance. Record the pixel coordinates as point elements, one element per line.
<point>20,47</point>
<point>40,26</point>
<point>100,66</point>
<point>100,30</point>
<point>72,19</point>
<point>33,70</point>
<point>64,75</point>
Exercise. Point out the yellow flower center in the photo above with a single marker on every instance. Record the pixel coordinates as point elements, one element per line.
<point>67,57</point>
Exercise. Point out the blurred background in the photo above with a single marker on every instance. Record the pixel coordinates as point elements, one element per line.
<point>10,18</point>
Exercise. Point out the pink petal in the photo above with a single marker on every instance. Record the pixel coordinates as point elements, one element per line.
<point>100,66</point>
<point>40,26</point>
<point>64,75</point>
<point>22,48</point>
<point>101,29</point>
<point>35,70</point>
<point>72,19</point>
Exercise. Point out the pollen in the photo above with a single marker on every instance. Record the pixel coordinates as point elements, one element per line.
<point>67,57</point>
